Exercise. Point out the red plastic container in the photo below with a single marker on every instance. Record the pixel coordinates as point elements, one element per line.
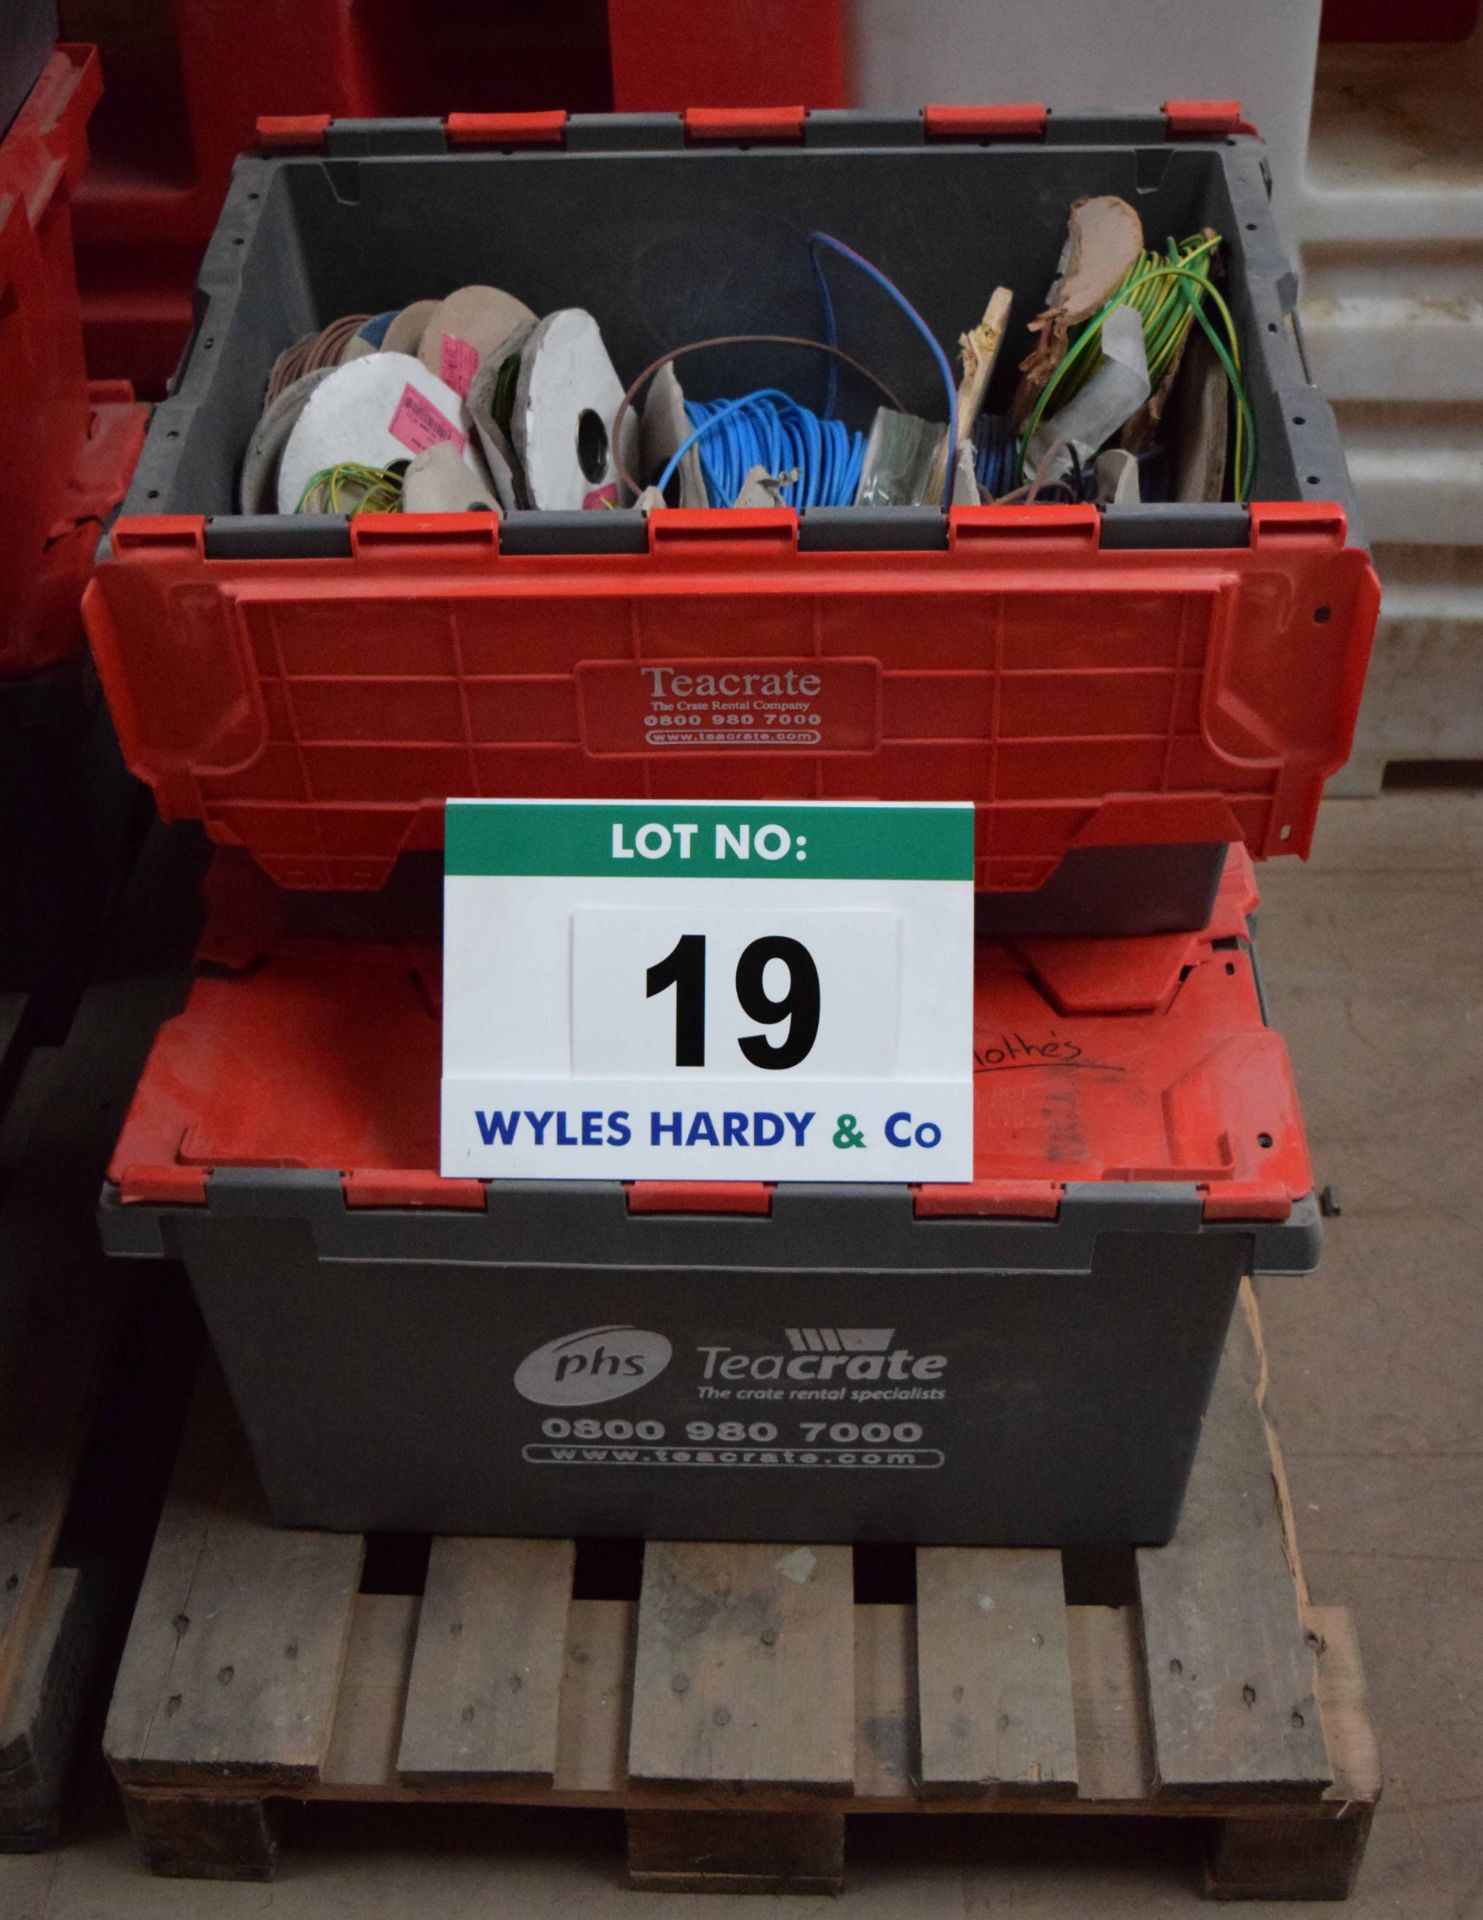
<point>189,79</point>
<point>728,53</point>
<point>69,448</point>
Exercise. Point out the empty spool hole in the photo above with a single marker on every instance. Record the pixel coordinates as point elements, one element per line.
<point>1322,615</point>
<point>1299,420</point>
<point>1264,1139</point>
<point>1313,479</point>
<point>592,445</point>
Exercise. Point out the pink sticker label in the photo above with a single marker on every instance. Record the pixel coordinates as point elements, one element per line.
<point>418,424</point>
<point>601,496</point>
<point>458,363</point>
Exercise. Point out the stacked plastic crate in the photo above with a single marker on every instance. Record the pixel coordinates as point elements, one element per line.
<point>186,86</point>
<point>1390,222</point>
<point>1136,699</point>
<point>69,449</point>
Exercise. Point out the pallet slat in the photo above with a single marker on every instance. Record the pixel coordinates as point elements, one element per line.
<point>993,1679</point>
<point>596,1697</point>
<point>60,1308</point>
<point>487,1670</point>
<point>233,1658</point>
<point>40,1435</point>
<point>744,1670</point>
<point>36,1732</point>
<point>1114,1751</point>
<point>1230,1667</point>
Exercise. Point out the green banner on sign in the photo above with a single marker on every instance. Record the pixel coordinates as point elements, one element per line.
<point>705,840</point>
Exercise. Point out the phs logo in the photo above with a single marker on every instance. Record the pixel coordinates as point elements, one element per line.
<point>601,1363</point>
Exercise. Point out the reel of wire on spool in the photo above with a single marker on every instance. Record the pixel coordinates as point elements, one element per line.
<point>567,396</point>
<point>375,412</point>
<point>817,460</point>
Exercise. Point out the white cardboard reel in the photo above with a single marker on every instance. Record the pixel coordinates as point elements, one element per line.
<point>468,328</point>
<point>565,402</point>
<point>378,412</point>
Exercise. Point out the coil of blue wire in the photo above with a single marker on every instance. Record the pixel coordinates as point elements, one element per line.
<point>771,430</point>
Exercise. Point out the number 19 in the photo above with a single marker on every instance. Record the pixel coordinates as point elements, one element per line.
<point>684,969</point>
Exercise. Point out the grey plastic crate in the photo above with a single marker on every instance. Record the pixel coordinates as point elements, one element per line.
<point>977,1381</point>
<point>667,240</point>
<point>873,1363</point>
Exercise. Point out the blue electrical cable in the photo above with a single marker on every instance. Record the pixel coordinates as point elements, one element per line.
<point>769,429</point>
<point>817,240</point>
<point>996,448</point>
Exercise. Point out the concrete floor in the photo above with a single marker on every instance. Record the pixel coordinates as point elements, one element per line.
<point>1373,956</point>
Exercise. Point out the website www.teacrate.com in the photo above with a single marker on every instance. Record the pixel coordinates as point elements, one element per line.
<point>667,1456</point>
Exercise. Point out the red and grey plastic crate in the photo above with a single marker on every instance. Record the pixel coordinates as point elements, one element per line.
<point>70,447</point>
<point>313,688</point>
<point>1024,1358</point>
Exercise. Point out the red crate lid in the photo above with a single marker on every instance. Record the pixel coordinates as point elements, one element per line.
<point>1096,1060</point>
<point>317,712</point>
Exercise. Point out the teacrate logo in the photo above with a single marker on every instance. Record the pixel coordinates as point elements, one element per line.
<point>600,1363</point>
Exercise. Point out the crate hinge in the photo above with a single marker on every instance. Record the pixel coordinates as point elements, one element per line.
<point>411,1187</point>
<point>1015,120</point>
<point>1205,119</point>
<point>1298,523</point>
<point>699,1196</point>
<point>277,132</point>
<point>1030,528</point>
<point>744,123</point>
<point>168,1185</point>
<point>441,536</point>
<point>506,129</point>
<point>147,535</point>
<point>988,1200</point>
<point>759,532</point>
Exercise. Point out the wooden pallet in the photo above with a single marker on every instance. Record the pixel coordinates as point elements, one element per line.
<point>746,1703</point>
<point>59,1316</point>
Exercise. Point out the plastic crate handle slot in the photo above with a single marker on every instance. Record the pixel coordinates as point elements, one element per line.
<point>188,654</point>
